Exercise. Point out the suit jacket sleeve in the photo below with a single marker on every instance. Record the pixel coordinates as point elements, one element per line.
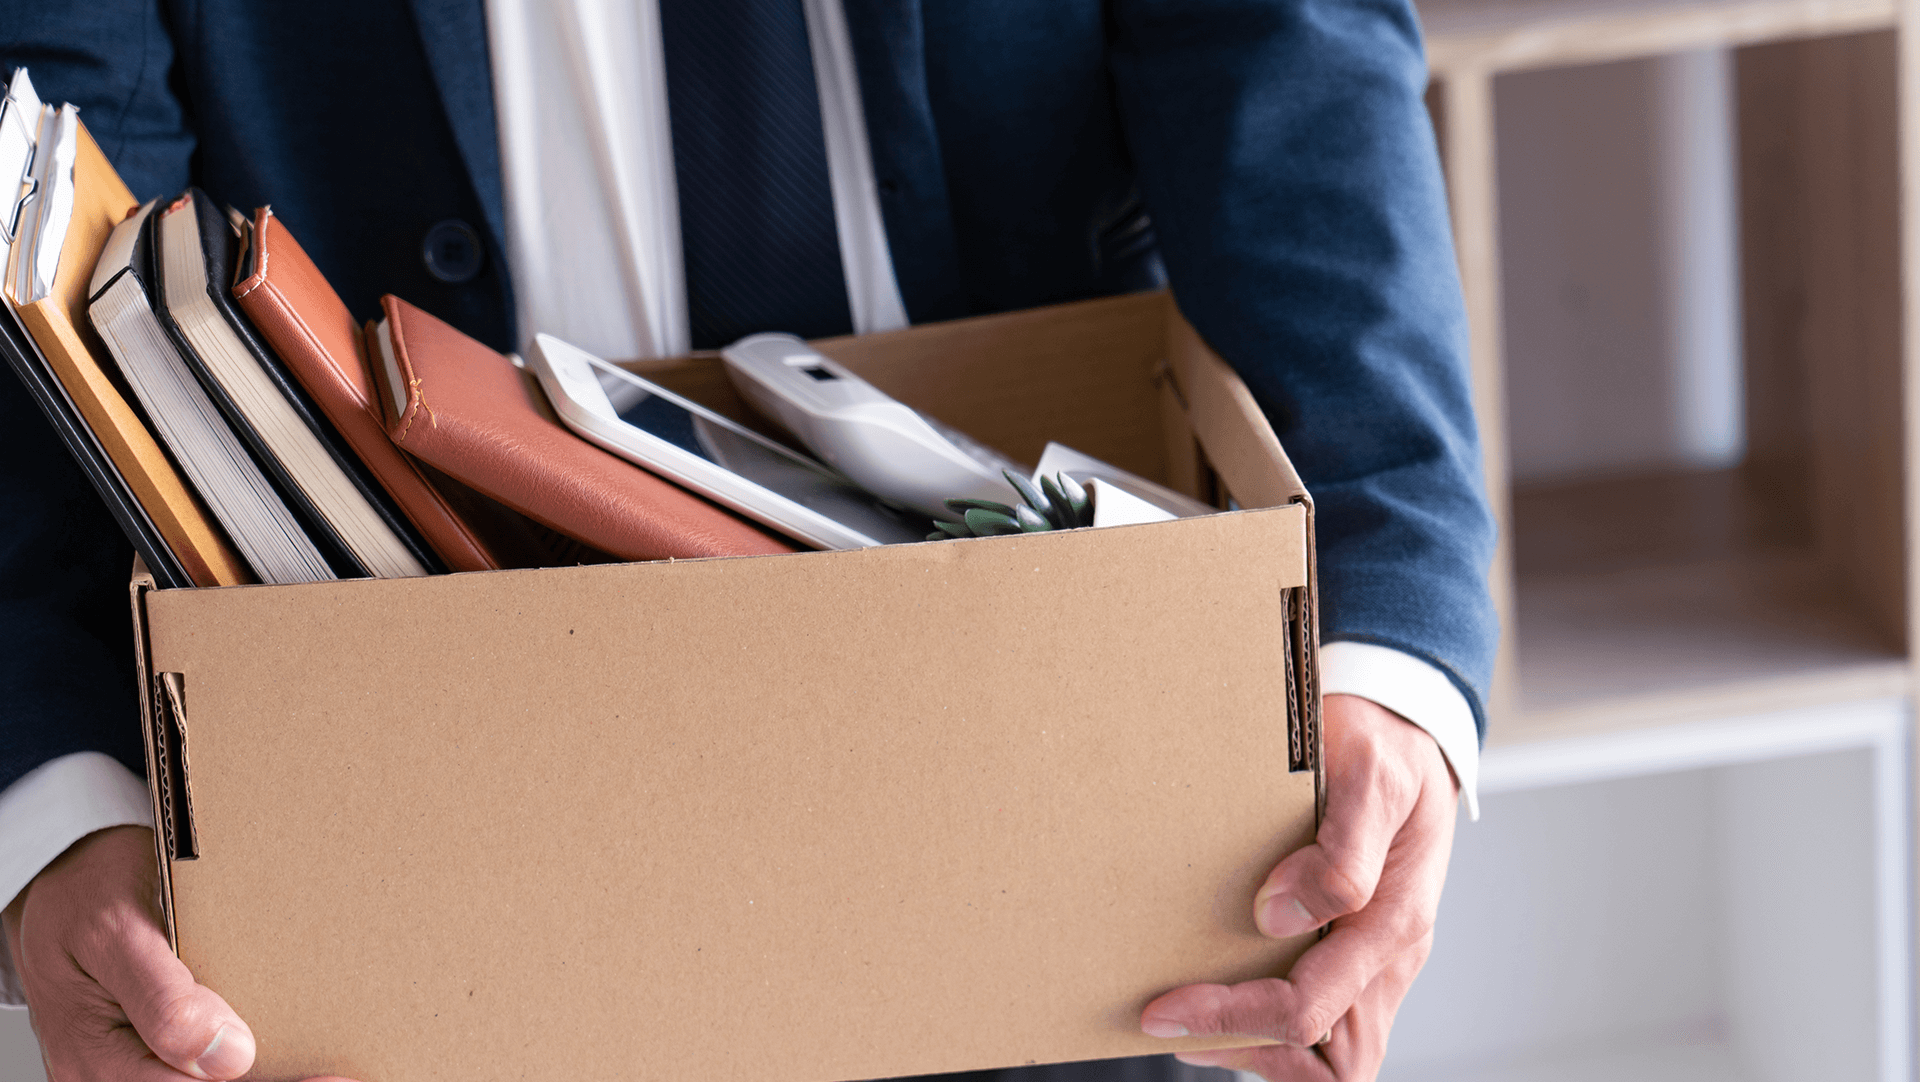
<point>66,647</point>
<point>66,653</point>
<point>1285,154</point>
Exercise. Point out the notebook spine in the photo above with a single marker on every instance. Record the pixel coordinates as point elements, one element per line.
<point>339,558</point>
<point>220,289</point>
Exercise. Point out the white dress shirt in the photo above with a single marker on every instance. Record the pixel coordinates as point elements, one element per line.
<point>48,809</point>
<point>586,152</point>
<point>593,238</point>
<point>1417,691</point>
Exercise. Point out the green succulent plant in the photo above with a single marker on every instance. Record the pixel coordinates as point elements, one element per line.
<point>1058,504</point>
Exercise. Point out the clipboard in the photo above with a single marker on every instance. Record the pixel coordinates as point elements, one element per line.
<point>50,345</point>
<point>20,114</point>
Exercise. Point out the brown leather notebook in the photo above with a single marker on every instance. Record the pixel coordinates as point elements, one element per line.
<point>59,325</point>
<point>307,324</point>
<point>467,411</point>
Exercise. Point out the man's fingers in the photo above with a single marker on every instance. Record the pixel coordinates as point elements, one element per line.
<point>185,1024</point>
<point>1279,1010</point>
<point>1402,895</point>
<point>1359,1042</point>
<point>1275,1061</point>
<point>1359,1035</point>
<point>1314,885</point>
<point>1374,785</point>
<point>1334,972</point>
<point>118,1055</point>
<point>1328,980</point>
<point>1259,1008</point>
<point>1374,874</point>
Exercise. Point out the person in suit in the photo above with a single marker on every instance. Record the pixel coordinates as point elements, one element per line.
<point>1270,159</point>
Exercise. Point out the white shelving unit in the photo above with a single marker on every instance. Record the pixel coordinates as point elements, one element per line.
<point>1717,900</point>
<point>1696,858</point>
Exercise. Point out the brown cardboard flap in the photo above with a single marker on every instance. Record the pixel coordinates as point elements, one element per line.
<point>1240,444</point>
<point>138,588</point>
<point>1234,432</point>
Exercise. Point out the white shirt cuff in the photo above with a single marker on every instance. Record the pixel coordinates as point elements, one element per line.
<point>48,809</point>
<point>1416,690</point>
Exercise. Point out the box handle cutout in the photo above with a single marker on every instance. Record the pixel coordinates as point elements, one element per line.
<point>1296,723</point>
<point>175,785</point>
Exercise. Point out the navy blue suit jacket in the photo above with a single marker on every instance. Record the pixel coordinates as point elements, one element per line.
<point>1272,159</point>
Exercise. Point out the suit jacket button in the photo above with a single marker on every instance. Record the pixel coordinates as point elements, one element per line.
<point>452,252</point>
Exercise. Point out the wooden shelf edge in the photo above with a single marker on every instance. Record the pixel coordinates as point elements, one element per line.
<point>1879,724</point>
<point>1566,38</point>
<point>1863,681</point>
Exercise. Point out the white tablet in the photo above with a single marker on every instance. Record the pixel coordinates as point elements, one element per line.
<point>703,451</point>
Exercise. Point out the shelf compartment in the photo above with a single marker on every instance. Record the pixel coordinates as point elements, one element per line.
<point>1651,927</point>
<point>1671,594</point>
<point>1639,647</point>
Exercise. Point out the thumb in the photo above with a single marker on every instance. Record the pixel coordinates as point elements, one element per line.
<point>1373,785</point>
<point>1336,875</point>
<point>187,1025</point>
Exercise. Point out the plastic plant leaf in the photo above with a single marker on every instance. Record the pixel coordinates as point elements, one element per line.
<point>961,507</point>
<point>1027,492</point>
<point>1060,509</point>
<point>987,523</point>
<point>1077,499</point>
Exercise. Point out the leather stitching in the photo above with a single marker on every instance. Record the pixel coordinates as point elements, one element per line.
<point>260,253</point>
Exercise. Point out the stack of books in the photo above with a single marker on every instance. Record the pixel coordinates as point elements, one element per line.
<point>217,393</point>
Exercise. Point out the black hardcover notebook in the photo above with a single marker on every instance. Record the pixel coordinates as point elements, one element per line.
<point>191,428</point>
<point>228,253</point>
<point>23,356</point>
<point>348,517</point>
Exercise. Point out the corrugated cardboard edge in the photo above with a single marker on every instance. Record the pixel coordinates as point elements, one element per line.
<point>176,792</point>
<point>1241,446</point>
<point>152,736</point>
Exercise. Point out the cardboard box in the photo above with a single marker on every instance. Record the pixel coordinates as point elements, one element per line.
<point>813,817</point>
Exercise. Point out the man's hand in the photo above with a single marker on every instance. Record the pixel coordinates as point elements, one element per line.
<point>1375,873</point>
<point>110,1001</point>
